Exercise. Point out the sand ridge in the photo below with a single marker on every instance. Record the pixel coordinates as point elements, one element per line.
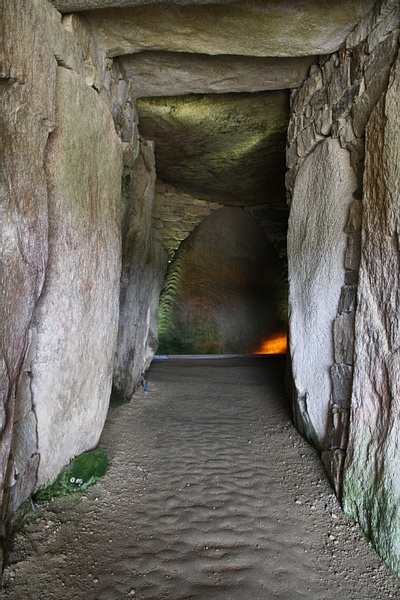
<point>210,494</point>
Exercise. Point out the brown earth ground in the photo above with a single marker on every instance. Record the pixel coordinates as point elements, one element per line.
<point>210,494</point>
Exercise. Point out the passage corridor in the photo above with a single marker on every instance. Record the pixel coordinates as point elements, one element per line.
<point>210,494</point>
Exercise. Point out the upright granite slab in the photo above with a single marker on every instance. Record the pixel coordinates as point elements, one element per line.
<point>77,316</point>
<point>144,263</point>
<point>316,252</point>
<point>371,477</point>
<point>27,83</point>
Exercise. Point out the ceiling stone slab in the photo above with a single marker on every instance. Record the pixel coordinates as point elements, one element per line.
<point>172,74</point>
<point>248,28</point>
<point>67,6</point>
<point>227,148</point>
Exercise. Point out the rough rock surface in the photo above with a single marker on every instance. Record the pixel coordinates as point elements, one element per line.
<point>27,82</point>
<point>67,6</point>
<point>143,269</point>
<point>227,148</point>
<point>371,481</point>
<point>243,28</point>
<point>176,214</point>
<point>77,314</point>
<point>173,73</point>
<point>316,249</point>
<point>220,295</point>
<point>336,100</point>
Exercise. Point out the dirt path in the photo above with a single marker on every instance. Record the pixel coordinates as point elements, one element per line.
<point>211,494</point>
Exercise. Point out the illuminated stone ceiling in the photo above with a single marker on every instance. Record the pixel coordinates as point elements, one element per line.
<point>213,82</point>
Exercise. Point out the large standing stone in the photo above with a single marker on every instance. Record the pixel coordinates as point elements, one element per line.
<point>316,248</point>
<point>77,314</point>
<point>220,295</point>
<point>27,83</point>
<point>371,479</point>
<point>143,268</point>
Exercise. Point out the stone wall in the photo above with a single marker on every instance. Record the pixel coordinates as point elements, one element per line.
<point>332,110</point>
<point>371,491</point>
<point>69,137</point>
<point>27,87</point>
<point>177,214</point>
<point>316,247</point>
<point>221,293</point>
<point>144,263</point>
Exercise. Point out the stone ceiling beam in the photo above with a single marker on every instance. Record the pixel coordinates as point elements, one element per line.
<point>248,28</point>
<point>173,74</point>
<point>67,6</point>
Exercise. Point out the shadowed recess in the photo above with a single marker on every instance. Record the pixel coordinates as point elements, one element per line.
<point>226,148</point>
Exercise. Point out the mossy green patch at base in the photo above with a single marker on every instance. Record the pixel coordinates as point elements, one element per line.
<point>117,398</point>
<point>82,472</point>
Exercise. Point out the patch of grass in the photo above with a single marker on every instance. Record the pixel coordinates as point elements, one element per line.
<point>82,472</point>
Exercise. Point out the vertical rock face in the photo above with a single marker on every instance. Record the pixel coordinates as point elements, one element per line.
<point>316,250</point>
<point>77,314</point>
<point>27,81</point>
<point>371,482</point>
<point>143,267</point>
<point>337,100</point>
<point>65,136</point>
<point>220,294</point>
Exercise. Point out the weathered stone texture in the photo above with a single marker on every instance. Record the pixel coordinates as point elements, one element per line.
<point>338,96</point>
<point>176,214</point>
<point>143,269</point>
<point>342,379</point>
<point>343,338</point>
<point>316,250</point>
<point>66,52</point>
<point>171,74</point>
<point>107,78</point>
<point>220,292</point>
<point>337,100</point>
<point>78,174</point>
<point>78,310</point>
<point>348,299</point>
<point>67,6</point>
<point>371,477</point>
<point>27,81</point>
<point>271,30</point>
<point>225,148</point>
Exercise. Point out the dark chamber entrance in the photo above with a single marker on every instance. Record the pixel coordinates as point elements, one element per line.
<point>224,292</point>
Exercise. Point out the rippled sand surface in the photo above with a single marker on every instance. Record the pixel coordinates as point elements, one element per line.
<point>211,494</point>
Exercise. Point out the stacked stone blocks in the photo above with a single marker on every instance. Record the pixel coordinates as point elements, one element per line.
<point>336,100</point>
<point>177,214</point>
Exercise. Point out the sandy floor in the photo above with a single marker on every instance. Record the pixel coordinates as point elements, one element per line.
<point>211,494</point>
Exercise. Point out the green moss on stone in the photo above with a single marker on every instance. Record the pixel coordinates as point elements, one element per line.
<point>220,147</point>
<point>82,472</point>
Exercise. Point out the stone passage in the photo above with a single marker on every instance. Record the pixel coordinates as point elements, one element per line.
<point>221,293</point>
<point>211,493</point>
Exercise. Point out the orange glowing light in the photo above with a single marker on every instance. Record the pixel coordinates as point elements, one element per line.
<point>277,344</point>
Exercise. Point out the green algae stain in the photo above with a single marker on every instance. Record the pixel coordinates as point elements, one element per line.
<point>220,146</point>
<point>373,503</point>
<point>82,472</point>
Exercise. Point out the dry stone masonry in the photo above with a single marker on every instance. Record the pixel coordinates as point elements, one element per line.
<point>92,211</point>
<point>347,93</point>
<point>177,214</point>
<point>220,294</point>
